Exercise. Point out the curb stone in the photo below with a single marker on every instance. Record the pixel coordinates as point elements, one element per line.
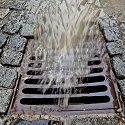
<point>11,58</point>
<point>11,27</point>
<point>115,48</point>
<point>5,98</point>
<point>118,67</point>
<point>16,43</point>
<point>3,39</point>
<point>122,86</point>
<point>112,34</point>
<point>8,77</point>
<point>2,122</point>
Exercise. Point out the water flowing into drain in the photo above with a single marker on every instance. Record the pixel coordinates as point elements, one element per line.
<point>66,68</point>
<point>68,35</point>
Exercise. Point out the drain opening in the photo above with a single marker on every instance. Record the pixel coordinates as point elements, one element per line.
<point>80,80</point>
<point>71,101</point>
<point>94,62</point>
<point>39,72</point>
<point>35,65</point>
<point>32,72</point>
<point>36,81</point>
<point>75,90</point>
<point>96,55</point>
<point>91,79</point>
<point>54,123</point>
<point>96,70</point>
<point>32,58</point>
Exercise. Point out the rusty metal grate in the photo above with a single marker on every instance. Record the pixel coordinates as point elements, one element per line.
<point>94,93</point>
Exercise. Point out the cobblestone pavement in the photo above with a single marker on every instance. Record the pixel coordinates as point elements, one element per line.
<point>17,26</point>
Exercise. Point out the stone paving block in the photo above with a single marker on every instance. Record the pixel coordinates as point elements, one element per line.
<point>16,15</point>
<point>112,34</point>
<point>122,86</point>
<point>115,48</point>
<point>3,39</point>
<point>3,13</point>
<point>11,27</point>
<point>8,77</point>
<point>16,43</point>
<point>96,121</point>
<point>28,18</point>
<point>1,51</point>
<point>12,58</point>
<point>122,26</point>
<point>13,4</point>
<point>1,23</point>
<point>22,123</point>
<point>2,122</point>
<point>18,5</point>
<point>27,30</point>
<point>123,56</point>
<point>5,3</point>
<point>118,66</point>
<point>106,22</point>
<point>5,98</point>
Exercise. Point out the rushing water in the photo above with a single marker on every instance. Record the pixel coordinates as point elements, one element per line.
<point>68,36</point>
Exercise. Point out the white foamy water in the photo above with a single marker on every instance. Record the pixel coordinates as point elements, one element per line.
<point>68,36</point>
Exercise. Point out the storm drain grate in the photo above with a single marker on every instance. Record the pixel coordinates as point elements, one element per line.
<point>94,93</point>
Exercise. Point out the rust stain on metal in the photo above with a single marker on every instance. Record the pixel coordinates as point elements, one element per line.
<point>95,93</point>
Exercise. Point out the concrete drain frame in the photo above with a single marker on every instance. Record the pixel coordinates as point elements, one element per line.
<point>96,93</point>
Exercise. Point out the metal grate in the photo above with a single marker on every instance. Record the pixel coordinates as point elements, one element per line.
<point>94,93</point>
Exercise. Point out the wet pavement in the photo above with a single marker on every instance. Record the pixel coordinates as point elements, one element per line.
<point>17,25</point>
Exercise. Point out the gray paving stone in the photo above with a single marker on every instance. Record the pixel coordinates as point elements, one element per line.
<point>123,56</point>
<point>118,66</point>
<point>27,30</point>
<point>115,48</point>
<point>22,123</point>
<point>106,22</point>
<point>122,26</point>
<point>3,13</point>
<point>28,18</point>
<point>2,122</point>
<point>8,77</point>
<point>18,5</point>
<point>122,86</point>
<point>96,121</point>
<point>40,122</point>
<point>3,39</point>
<point>13,4</point>
<point>112,34</point>
<point>1,23</point>
<point>1,51</point>
<point>16,43</point>
<point>11,27</point>
<point>12,58</point>
<point>5,3</point>
<point>16,15</point>
<point>5,98</point>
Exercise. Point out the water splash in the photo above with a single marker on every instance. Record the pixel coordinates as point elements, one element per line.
<point>68,36</point>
